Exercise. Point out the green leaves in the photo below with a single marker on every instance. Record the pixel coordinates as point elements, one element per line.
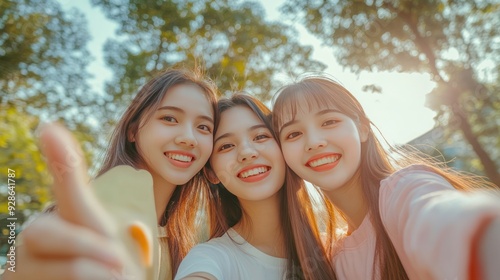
<point>451,40</point>
<point>231,39</point>
<point>43,59</point>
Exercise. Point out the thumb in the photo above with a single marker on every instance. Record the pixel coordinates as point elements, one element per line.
<point>76,202</point>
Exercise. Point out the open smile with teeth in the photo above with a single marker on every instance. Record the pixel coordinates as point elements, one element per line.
<point>179,157</point>
<point>324,160</point>
<point>253,172</point>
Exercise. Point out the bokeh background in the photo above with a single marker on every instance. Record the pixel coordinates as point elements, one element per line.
<point>426,71</point>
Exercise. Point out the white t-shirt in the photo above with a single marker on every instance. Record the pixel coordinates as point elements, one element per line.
<point>229,259</point>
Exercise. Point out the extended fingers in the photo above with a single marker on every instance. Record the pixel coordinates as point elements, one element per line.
<point>52,237</point>
<point>75,200</point>
<point>62,269</point>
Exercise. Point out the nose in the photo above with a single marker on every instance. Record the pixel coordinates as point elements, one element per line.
<point>314,142</point>
<point>248,152</point>
<point>186,138</point>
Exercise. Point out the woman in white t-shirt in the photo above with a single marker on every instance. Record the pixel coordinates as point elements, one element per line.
<point>256,221</point>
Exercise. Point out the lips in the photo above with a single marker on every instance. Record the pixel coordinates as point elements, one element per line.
<point>323,162</point>
<point>254,173</point>
<point>180,158</point>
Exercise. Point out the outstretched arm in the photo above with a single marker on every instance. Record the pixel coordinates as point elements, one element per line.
<point>74,243</point>
<point>434,227</point>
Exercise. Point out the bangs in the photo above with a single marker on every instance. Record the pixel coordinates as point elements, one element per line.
<point>306,97</point>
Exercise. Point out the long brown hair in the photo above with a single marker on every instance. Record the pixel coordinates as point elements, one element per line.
<point>376,162</point>
<point>181,214</point>
<point>305,255</point>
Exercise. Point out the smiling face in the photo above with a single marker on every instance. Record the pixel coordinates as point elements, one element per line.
<point>323,146</point>
<point>321,129</point>
<point>177,140</point>
<point>246,158</point>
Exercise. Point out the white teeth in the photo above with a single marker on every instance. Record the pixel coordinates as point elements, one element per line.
<point>254,171</point>
<point>179,157</point>
<point>324,160</point>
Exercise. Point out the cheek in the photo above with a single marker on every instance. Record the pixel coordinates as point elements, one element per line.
<point>282,169</point>
<point>206,144</point>
<point>277,155</point>
<point>222,167</point>
<point>290,156</point>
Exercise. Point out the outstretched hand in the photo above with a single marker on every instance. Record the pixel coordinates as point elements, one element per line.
<point>75,200</point>
<point>76,242</point>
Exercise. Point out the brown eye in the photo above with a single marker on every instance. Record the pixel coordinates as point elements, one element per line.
<point>329,122</point>
<point>261,136</point>
<point>292,135</point>
<point>169,119</point>
<point>225,147</point>
<point>205,128</point>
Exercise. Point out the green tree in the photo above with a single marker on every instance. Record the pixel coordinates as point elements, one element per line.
<point>457,42</point>
<point>20,153</point>
<point>43,59</point>
<point>43,75</point>
<point>231,39</point>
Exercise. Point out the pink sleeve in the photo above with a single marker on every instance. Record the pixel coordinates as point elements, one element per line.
<point>432,225</point>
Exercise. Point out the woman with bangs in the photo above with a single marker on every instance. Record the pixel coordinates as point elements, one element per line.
<point>167,130</point>
<point>260,230</point>
<point>407,217</point>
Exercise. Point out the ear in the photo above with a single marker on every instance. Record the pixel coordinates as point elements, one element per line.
<point>210,175</point>
<point>131,132</point>
<point>364,131</point>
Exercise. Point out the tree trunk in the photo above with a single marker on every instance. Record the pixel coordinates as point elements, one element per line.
<point>489,165</point>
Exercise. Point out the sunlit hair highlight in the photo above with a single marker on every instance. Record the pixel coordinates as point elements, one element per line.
<point>316,92</point>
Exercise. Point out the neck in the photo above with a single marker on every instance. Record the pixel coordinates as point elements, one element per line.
<point>162,192</point>
<point>261,225</point>
<point>349,199</point>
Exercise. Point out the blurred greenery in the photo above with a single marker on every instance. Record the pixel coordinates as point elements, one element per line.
<point>42,76</point>
<point>457,42</point>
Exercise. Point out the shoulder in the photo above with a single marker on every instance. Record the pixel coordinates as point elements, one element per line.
<point>224,249</point>
<point>208,257</point>
<point>219,246</point>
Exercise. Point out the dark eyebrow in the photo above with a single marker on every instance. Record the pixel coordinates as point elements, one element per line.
<point>322,112</point>
<point>173,108</point>
<point>294,121</point>
<point>229,134</point>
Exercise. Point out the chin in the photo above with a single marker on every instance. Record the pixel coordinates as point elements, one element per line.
<point>180,182</point>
